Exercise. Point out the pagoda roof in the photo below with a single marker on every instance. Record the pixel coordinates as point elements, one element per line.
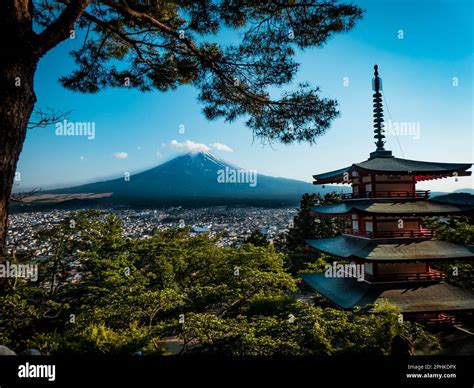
<point>332,174</point>
<point>393,250</point>
<point>392,206</point>
<point>409,298</point>
<point>395,166</point>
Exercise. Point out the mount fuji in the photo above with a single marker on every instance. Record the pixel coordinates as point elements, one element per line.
<point>195,179</point>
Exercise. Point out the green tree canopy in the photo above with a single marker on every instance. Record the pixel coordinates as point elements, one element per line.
<point>163,44</point>
<point>307,226</point>
<point>256,238</point>
<point>100,293</point>
<point>459,230</point>
<point>160,45</point>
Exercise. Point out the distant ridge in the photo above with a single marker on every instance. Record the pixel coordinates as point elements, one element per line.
<point>197,179</point>
<point>457,198</point>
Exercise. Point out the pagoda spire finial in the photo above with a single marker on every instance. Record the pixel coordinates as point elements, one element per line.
<point>378,117</point>
<point>378,111</point>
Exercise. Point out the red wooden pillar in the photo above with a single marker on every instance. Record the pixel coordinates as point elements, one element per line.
<point>372,181</point>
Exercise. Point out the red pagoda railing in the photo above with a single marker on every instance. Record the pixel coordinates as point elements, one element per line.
<point>438,319</point>
<point>402,277</point>
<point>408,194</point>
<point>388,194</point>
<point>422,233</point>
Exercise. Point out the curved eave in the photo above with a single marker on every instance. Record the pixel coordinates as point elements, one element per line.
<point>396,166</point>
<point>392,207</point>
<point>408,166</point>
<point>461,170</point>
<point>419,175</point>
<point>411,297</point>
<point>336,176</point>
<point>421,178</point>
<point>395,213</point>
<point>401,250</point>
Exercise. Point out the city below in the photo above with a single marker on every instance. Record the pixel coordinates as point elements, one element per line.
<point>231,223</point>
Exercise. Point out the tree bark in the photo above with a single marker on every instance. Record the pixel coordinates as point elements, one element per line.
<point>16,106</point>
<point>17,97</point>
<point>20,50</point>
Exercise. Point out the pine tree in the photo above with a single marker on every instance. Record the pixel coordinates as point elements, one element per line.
<point>307,226</point>
<point>160,45</point>
<point>256,238</point>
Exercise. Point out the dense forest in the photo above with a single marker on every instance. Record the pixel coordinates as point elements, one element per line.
<point>101,293</point>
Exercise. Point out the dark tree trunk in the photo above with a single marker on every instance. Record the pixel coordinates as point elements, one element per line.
<point>17,98</point>
<point>16,106</point>
<point>20,50</point>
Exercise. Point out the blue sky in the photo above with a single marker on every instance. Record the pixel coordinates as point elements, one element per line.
<point>417,73</point>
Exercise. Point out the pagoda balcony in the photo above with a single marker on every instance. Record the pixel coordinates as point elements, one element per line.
<point>388,194</point>
<point>431,275</point>
<point>422,233</point>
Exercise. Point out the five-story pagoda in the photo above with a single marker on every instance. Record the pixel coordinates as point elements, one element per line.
<point>386,239</point>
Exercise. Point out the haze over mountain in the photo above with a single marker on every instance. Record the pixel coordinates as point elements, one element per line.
<point>199,178</point>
